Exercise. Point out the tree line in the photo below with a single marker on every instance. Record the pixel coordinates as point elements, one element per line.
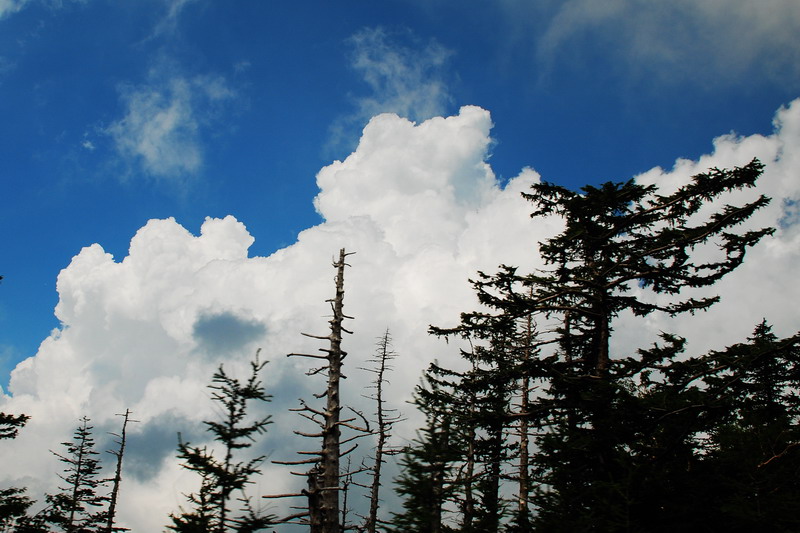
<point>546,424</point>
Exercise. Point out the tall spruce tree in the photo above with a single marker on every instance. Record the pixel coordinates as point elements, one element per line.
<point>617,237</point>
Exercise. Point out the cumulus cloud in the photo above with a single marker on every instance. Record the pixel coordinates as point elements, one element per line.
<point>762,288</point>
<point>162,131</point>
<point>421,207</point>
<point>679,40</point>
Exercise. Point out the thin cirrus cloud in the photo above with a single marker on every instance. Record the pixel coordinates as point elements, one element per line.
<point>406,80</point>
<point>405,76</point>
<point>9,7</point>
<point>421,207</point>
<point>162,131</point>
<point>703,42</point>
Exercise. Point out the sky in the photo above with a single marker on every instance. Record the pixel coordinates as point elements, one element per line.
<point>178,174</point>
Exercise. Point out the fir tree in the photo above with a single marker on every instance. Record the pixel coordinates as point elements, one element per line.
<point>78,507</point>
<point>213,506</point>
<point>14,503</point>
<point>753,452</point>
<point>428,464</point>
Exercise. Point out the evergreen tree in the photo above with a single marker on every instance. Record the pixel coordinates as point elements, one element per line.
<point>428,479</point>
<point>753,452</point>
<point>213,507</point>
<point>78,507</point>
<point>14,503</point>
<point>617,237</point>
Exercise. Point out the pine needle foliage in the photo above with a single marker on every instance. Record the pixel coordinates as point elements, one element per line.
<point>213,507</point>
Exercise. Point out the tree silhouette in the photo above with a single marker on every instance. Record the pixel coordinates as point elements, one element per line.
<point>221,477</point>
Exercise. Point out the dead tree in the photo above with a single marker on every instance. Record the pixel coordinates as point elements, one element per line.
<point>385,419</point>
<point>115,482</point>
<point>323,478</point>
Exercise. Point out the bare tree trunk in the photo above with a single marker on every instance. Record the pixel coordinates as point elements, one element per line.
<point>332,431</point>
<point>524,431</point>
<point>112,503</point>
<point>323,487</point>
<point>385,422</point>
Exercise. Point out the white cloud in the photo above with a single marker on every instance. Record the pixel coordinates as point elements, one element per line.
<point>405,79</point>
<point>162,130</point>
<point>763,287</point>
<point>170,20</point>
<point>706,42</point>
<point>9,7</point>
<point>405,76</point>
<point>420,206</point>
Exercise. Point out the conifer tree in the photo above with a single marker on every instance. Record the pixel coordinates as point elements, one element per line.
<point>213,507</point>
<point>14,503</point>
<point>618,236</point>
<point>429,464</point>
<point>78,507</point>
<point>753,454</point>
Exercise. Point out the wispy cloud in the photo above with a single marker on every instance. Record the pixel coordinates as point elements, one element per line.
<point>407,79</point>
<point>9,7</point>
<point>162,130</point>
<point>170,19</point>
<point>706,42</point>
<point>404,74</point>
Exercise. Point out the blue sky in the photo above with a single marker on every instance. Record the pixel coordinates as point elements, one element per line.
<point>113,114</point>
<point>580,106</point>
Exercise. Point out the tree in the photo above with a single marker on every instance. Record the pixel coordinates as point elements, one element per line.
<point>14,503</point>
<point>11,424</point>
<point>427,481</point>
<point>617,237</point>
<point>385,420</point>
<point>222,477</point>
<point>500,354</point>
<point>117,479</point>
<point>322,513</point>
<point>78,507</point>
<point>753,449</point>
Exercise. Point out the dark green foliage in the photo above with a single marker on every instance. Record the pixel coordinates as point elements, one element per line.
<point>78,507</point>
<point>212,507</point>
<point>11,424</point>
<point>428,463</point>
<point>624,442</point>
<point>14,503</point>
<point>753,452</point>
